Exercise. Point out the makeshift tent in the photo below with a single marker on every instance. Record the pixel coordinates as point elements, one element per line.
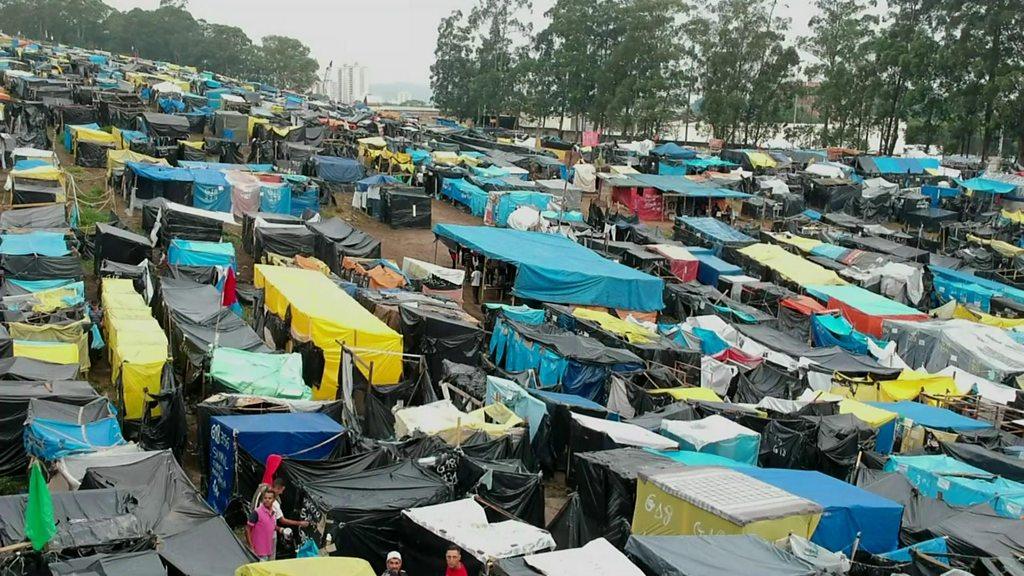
<point>51,216</point>
<point>428,530</point>
<point>719,501</point>
<point>362,510</point>
<point>54,430</point>
<point>715,435</point>
<point>302,436</point>
<point>257,373</point>
<point>321,313</point>
<point>440,333</point>
<point>681,263</point>
<point>338,170</point>
<point>553,268</point>
<point>960,484</point>
<point>334,239</point>
<point>709,232</point>
<point>791,267</point>
<point>595,558</point>
<point>714,555</point>
<point>908,386</point>
<point>288,240</point>
<point>15,397</point>
<point>986,351</point>
<point>442,419</point>
<point>467,194</point>
<point>198,253</point>
<point>405,207</point>
<point>865,310</point>
<point>118,245</point>
<point>136,344</point>
<point>849,513</point>
<point>165,127</point>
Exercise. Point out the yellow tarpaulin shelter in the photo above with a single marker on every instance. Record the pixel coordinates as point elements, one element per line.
<point>691,393</point>
<point>444,420</point>
<point>118,159</point>
<point>82,134</point>
<point>1003,248</point>
<point>706,501</point>
<point>253,121</point>
<point>794,268</point>
<point>136,345</point>
<point>316,566</point>
<point>75,333</point>
<point>1016,216</point>
<point>760,160</point>
<point>979,317</point>
<point>47,173</point>
<point>870,415</point>
<point>322,313</point>
<point>908,386</point>
<point>799,242</point>
<point>633,333</point>
<point>55,352</point>
<point>444,157</point>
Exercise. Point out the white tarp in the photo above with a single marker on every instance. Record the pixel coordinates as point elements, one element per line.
<point>420,270</point>
<point>429,419</point>
<point>595,558</point>
<point>464,523</point>
<point>877,186</point>
<point>627,434</point>
<point>716,375</point>
<point>585,177</point>
<point>987,389</point>
<point>168,88</point>
<point>825,169</point>
<point>525,218</point>
<point>245,191</point>
<point>71,469</point>
<point>705,431</point>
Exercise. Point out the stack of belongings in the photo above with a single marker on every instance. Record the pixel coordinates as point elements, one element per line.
<point>434,280</point>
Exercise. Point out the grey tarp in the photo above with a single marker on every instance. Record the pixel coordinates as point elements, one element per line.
<point>1009,467</point>
<point>84,518</point>
<point>18,368</point>
<point>987,351</point>
<point>831,359</point>
<point>146,563</point>
<point>336,238</point>
<point>573,346</point>
<point>51,217</point>
<point>740,555</point>
<point>14,403</point>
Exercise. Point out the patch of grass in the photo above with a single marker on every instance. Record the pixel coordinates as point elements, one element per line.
<point>89,216</point>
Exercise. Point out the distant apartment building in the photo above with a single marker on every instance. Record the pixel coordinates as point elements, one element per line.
<point>353,82</point>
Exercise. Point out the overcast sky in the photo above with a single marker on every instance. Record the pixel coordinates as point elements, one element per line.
<point>395,38</point>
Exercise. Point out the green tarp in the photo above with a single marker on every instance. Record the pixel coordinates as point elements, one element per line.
<point>274,375</point>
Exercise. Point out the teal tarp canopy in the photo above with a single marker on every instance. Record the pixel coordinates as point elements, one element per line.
<point>274,375</point>
<point>980,184</point>
<point>555,269</point>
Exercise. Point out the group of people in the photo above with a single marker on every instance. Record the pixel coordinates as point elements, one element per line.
<point>266,522</point>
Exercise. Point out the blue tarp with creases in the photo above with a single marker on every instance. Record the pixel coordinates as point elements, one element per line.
<point>41,243</point>
<point>338,170</point>
<point>936,193</point>
<point>980,184</point>
<point>960,484</point>
<point>465,193</point>
<point>932,416</point>
<point>849,510</point>
<point>673,150</point>
<point>682,185</point>
<point>555,269</point>
<point>710,268</point>
<point>715,231</point>
<point>225,166</point>
<point>510,201</point>
<point>828,330</point>
<point>211,190</point>
<point>199,253</point>
<point>161,173</point>
<point>967,288</point>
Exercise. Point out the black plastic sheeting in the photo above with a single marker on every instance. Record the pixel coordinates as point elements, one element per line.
<point>405,207</point>
<point>145,563</point>
<point>828,443</point>
<point>1009,467</point>
<point>15,397</point>
<point>118,245</point>
<point>506,484</point>
<point>652,420</point>
<point>970,531</point>
<point>87,520</point>
<point>91,155</point>
<point>606,484</point>
<point>36,267</point>
<point>289,242</point>
<point>364,509</point>
<point>32,370</point>
<point>737,555</point>
<point>52,217</point>
<point>164,126</point>
<point>467,378</point>
<point>557,427</point>
<point>336,239</point>
<point>178,224</point>
<point>767,380</point>
<point>440,337</point>
<point>832,359</point>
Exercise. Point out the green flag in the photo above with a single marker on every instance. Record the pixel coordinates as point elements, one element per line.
<point>39,524</point>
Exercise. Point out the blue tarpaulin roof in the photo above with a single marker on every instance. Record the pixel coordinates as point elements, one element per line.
<point>967,288</point>
<point>932,416</point>
<point>199,253</point>
<point>339,170</point>
<point>715,230</point>
<point>161,173</point>
<point>981,184</point>
<point>376,180</point>
<point>53,439</point>
<point>292,434</point>
<point>555,269</point>
<point>848,509</point>
<point>225,166</point>
<point>673,150</point>
<point>42,243</point>
<point>891,165</point>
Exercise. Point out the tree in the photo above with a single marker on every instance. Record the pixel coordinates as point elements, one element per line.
<point>453,69</point>
<point>285,62</point>
<point>840,43</point>
<point>747,73</point>
<point>499,30</point>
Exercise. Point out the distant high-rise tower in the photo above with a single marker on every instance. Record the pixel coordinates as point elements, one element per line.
<point>353,82</point>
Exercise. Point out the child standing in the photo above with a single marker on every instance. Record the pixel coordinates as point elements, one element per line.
<point>263,527</point>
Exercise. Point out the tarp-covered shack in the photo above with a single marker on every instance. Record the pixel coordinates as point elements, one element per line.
<point>307,307</point>
<point>555,269</point>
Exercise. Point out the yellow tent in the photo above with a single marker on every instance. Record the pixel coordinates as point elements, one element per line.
<point>136,345</point>
<point>48,173</point>
<point>633,333</point>
<point>908,386</point>
<point>706,501</point>
<point>760,160</point>
<point>322,313</point>
<point>55,352</point>
<point>799,242</point>
<point>76,333</point>
<point>117,159</point>
<point>870,415</point>
<point>316,566</point>
<point>253,121</point>
<point>691,393</point>
<point>790,266</point>
<point>82,134</point>
<point>979,317</point>
<point>1003,248</point>
<point>444,157</point>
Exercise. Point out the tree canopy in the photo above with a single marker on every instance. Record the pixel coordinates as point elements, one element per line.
<point>168,33</point>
